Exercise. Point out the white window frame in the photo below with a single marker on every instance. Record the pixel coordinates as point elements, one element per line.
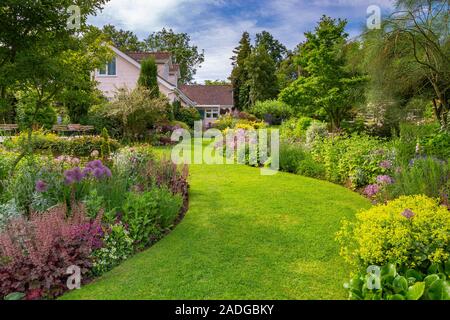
<point>212,113</point>
<point>106,74</point>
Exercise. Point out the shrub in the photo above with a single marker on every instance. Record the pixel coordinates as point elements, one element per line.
<point>186,115</point>
<point>437,145</point>
<point>272,111</point>
<point>137,111</point>
<point>354,160</point>
<point>117,246</point>
<point>426,176</point>
<point>224,122</point>
<point>310,168</point>
<point>80,146</point>
<point>413,232</point>
<point>148,214</point>
<point>99,118</point>
<point>409,137</point>
<point>32,113</point>
<point>291,155</point>
<point>315,132</point>
<point>295,129</point>
<point>35,253</point>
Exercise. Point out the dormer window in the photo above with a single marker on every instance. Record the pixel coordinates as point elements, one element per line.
<point>109,69</point>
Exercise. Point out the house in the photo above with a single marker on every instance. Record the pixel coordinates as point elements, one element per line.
<point>210,101</point>
<point>124,69</point>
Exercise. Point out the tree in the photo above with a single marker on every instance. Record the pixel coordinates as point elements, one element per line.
<point>39,54</point>
<point>27,23</point>
<point>122,39</point>
<point>217,83</point>
<point>239,76</point>
<point>179,44</point>
<point>148,78</point>
<point>88,53</point>
<point>412,56</point>
<point>325,88</point>
<point>287,72</point>
<point>277,51</point>
<point>136,112</point>
<point>262,79</point>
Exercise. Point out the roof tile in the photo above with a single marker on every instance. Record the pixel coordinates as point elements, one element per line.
<point>209,95</point>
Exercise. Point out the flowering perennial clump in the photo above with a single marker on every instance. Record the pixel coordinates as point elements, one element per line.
<point>412,231</point>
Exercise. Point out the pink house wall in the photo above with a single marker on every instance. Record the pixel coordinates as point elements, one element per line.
<point>126,76</point>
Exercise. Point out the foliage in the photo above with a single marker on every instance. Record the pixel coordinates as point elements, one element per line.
<point>315,132</point>
<point>437,145</point>
<point>147,215</point>
<point>407,284</point>
<point>42,248</point>
<point>183,52</point>
<point>117,246</point>
<point>30,114</point>
<point>273,111</point>
<point>137,112</point>
<point>148,77</point>
<point>410,136</point>
<point>99,117</point>
<point>294,129</point>
<point>295,158</point>
<point>291,155</point>
<point>353,160</point>
<point>186,115</point>
<point>275,48</point>
<point>326,88</point>
<point>217,82</point>
<point>262,80</point>
<point>125,41</point>
<point>427,176</point>
<point>239,75</point>
<point>79,146</point>
<point>412,50</point>
<point>411,231</point>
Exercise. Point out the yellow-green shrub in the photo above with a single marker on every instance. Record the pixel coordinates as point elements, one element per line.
<point>413,231</point>
<point>79,146</point>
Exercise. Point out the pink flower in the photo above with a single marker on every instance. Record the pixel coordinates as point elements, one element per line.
<point>408,214</point>
<point>385,179</point>
<point>371,190</point>
<point>41,186</point>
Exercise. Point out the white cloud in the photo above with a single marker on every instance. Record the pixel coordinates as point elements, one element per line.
<point>219,33</point>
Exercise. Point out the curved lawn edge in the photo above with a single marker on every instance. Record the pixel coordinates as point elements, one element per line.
<point>245,236</point>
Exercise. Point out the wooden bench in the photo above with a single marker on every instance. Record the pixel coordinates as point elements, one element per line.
<point>9,129</point>
<point>72,128</point>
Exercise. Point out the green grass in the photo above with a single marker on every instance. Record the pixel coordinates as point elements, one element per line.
<point>245,236</point>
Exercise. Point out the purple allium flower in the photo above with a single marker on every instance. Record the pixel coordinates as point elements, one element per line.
<point>108,173</point>
<point>386,164</point>
<point>371,190</point>
<point>87,171</point>
<point>77,174</point>
<point>95,164</point>
<point>98,173</point>
<point>385,179</point>
<point>408,214</point>
<point>73,175</point>
<point>41,186</point>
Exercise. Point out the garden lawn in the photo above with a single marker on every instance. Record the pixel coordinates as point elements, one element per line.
<point>245,236</point>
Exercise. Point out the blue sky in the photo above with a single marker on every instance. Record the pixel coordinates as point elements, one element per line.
<point>217,25</point>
